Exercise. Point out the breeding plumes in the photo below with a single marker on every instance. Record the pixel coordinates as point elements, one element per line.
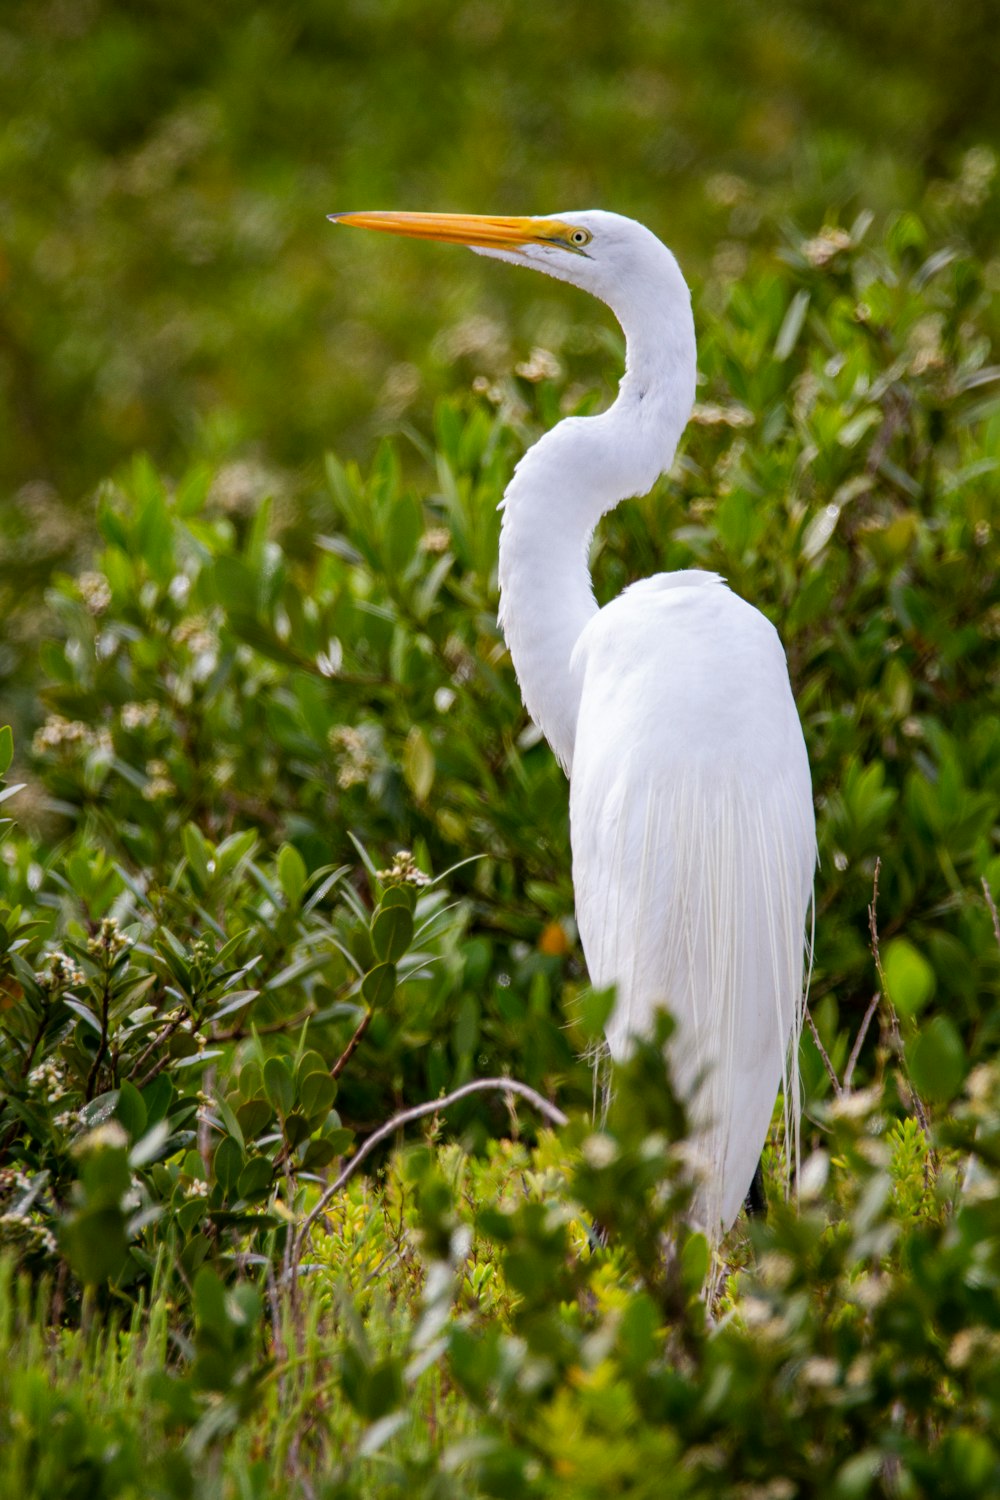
<point>670,710</point>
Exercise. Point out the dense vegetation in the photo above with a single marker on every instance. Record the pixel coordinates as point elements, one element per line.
<point>287,861</point>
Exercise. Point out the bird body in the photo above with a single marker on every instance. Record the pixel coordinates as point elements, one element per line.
<point>671,711</point>
<point>693,852</point>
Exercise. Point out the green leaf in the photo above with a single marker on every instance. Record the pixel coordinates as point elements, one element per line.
<point>256,1178</point>
<point>253,1116</point>
<point>99,1109</point>
<point>383,1389</point>
<point>378,985</point>
<point>235,585</point>
<point>419,764</point>
<point>318,1154</point>
<point>198,852</point>
<point>83,1011</point>
<point>936,1060</point>
<point>95,1243</point>
<point>210,1302</point>
<point>156,1143</point>
<point>640,1324</point>
<point>235,1000</point>
<point>317,1092</point>
<point>104,1173</point>
<point>399,895</point>
<point>856,427</point>
<point>791,326</point>
<point>153,530</point>
<point>392,933</point>
<point>131,1110</point>
<point>695,1258</point>
<point>909,978</point>
<point>234,850</point>
<point>279,1084</point>
<point>297,1128</point>
<point>251,1080</point>
<point>292,873</point>
<point>157,1096</point>
<point>380,1432</point>
<point>231,1123</point>
<point>403,523</point>
<point>466,1028</point>
<point>228,1163</point>
<point>855,1477</point>
<point>6,748</point>
<point>310,1062</point>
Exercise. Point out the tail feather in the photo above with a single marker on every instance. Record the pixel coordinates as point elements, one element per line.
<point>702,909</point>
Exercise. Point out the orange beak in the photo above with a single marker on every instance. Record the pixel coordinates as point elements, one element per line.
<point>461,229</point>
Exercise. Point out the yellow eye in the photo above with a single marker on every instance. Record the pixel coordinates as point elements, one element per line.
<point>580,237</point>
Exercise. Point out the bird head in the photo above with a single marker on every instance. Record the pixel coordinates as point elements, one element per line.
<point>603,253</point>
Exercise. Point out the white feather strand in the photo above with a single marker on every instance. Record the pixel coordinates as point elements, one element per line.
<point>709,924</point>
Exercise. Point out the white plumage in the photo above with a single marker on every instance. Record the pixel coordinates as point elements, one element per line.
<point>693,853</point>
<point>670,709</point>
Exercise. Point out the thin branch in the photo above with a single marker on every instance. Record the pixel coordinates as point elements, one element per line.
<point>922,1117</point>
<point>42,1026</point>
<point>859,1040</point>
<point>270,1028</point>
<point>992,906</point>
<point>102,1049</point>
<point>352,1045</point>
<point>897,1040</point>
<point>204,1135</point>
<point>828,1065</point>
<point>408,1117</point>
<point>873,925</point>
<point>157,1041</point>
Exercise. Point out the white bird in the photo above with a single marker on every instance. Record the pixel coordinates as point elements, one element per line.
<point>670,709</point>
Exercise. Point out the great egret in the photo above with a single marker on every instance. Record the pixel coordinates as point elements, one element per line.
<point>670,710</point>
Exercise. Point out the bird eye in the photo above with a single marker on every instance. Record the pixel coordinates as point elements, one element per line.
<point>580,237</point>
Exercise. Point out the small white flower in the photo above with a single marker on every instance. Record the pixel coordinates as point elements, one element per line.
<point>95,592</point>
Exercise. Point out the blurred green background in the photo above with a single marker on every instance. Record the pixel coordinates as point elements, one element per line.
<point>167,277</point>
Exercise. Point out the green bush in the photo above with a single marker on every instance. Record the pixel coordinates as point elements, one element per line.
<point>223,960</point>
<point>481,1343</point>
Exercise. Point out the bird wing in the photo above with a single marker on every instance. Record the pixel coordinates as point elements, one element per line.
<point>693,855</point>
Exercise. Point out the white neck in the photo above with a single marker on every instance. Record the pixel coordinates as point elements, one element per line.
<point>572,477</point>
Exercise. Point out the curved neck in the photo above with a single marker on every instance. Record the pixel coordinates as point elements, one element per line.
<point>562,487</point>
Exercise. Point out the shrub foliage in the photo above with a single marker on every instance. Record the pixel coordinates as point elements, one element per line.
<point>290,859</point>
